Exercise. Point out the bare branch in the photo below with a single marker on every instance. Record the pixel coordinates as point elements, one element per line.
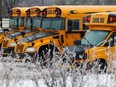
<point>10,3</point>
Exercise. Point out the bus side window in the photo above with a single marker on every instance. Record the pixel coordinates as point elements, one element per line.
<point>112,36</point>
<point>70,25</point>
<point>76,24</point>
<point>22,21</point>
<point>112,41</point>
<point>73,25</point>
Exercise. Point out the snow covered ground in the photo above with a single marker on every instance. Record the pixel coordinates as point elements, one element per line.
<point>31,75</point>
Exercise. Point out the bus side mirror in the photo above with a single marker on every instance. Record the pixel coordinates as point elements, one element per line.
<point>22,34</point>
<point>55,37</point>
<point>109,43</point>
<point>77,42</point>
<point>70,26</point>
<point>5,30</point>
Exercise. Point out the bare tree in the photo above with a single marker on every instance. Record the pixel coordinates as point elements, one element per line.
<point>42,2</point>
<point>10,3</point>
<point>0,13</point>
<point>0,7</point>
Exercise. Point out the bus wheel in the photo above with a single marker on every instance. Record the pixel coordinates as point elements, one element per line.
<point>99,66</point>
<point>46,54</point>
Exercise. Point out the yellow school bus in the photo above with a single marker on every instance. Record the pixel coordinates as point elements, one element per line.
<point>105,26</point>
<point>98,45</point>
<point>17,18</point>
<point>33,21</point>
<point>34,17</point>
<point>61,25</point>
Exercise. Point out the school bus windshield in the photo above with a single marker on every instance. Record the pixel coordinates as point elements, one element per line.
<point>15,21</point>
<point>28,23</point>
<point>35,21</point>
<point>21,21</point>
<point>53,23</point>
<point>94,37</point>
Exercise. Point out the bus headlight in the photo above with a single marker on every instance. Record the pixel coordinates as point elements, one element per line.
<point>13,44</point>
<point>30,50</point>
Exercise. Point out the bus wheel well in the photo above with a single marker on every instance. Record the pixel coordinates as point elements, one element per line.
<point>47,46</point>
<point>101,64</point>
<point>101,60</point>
<point>42,48</point>
<point>45,53</point>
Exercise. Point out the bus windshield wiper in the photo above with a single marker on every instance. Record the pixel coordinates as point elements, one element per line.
<point>10,35</point>
<point>88,41</point>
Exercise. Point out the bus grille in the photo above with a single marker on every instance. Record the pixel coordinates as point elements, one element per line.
<point>5,43</point>
<point>20,48</point>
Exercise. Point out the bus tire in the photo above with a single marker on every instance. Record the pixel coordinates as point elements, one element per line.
<point>99,66</point>
<point>43,53</point>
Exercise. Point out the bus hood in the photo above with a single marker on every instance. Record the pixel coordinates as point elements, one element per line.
<point>79,51</point>
<point>37,36</point>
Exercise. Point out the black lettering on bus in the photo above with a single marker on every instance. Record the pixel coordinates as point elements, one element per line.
<point>50,11</point>
<point>98,20</point>
<point>101,20</point>
<point>95,20</point>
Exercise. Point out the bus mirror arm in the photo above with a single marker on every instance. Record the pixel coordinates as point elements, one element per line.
<point>5,30</point>
<point>23,34</point>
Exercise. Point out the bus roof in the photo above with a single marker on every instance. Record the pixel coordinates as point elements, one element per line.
<point>35,10</point>
<point>103,20</point>
<point>67,10</point>
<point>39,7</point>
<point>21,9</point>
